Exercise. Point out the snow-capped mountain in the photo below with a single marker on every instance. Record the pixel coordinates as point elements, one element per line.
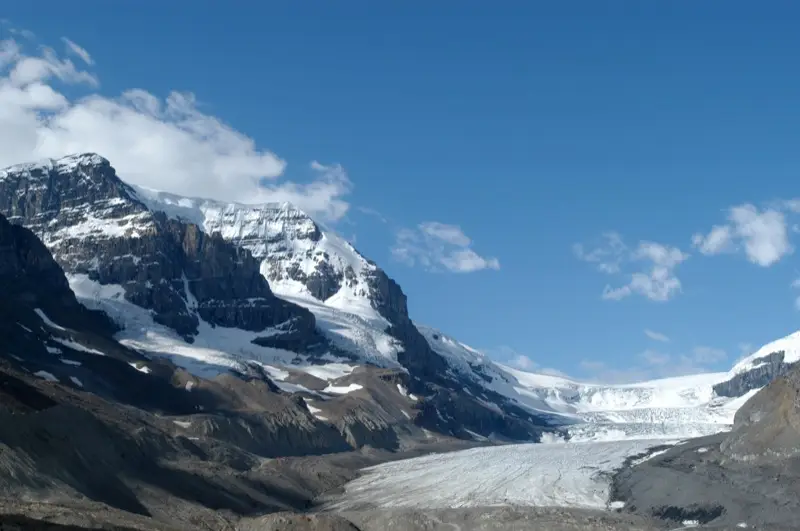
<point>219,286</point>
<point>188,279</point>
<point>351,297</point>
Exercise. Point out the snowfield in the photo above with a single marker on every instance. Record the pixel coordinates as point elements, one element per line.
<point>554,475</point>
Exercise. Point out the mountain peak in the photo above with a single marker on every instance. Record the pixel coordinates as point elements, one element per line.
<point>60,165</point>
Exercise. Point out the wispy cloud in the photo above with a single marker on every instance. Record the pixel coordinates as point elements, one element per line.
<point>607,254</point>
<point>439,246</point>
<point>79,51</point>
<point>167,144</point>
<point>656,336</point>
<point>656,280</point>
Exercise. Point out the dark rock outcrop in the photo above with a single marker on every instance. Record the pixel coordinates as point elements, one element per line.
<point>765,371</point>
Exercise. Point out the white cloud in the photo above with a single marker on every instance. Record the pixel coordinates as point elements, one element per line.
<point>761,234</point>
<point>718,240</point>
<point>79,51</point>
<point>656,336</point>
<point>436,246</point>
<point>658,282</point>
<point>168,144</point>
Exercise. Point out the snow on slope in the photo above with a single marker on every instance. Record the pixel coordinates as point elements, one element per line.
<point>213,351</point>
<point>683,406</point>
<point>789,345</point>
<point>303,264</point>
<point>566,475</point>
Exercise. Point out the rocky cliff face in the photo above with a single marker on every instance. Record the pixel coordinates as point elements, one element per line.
<point>94,224</point>
<point>765,370</point>
<point>30,279</point>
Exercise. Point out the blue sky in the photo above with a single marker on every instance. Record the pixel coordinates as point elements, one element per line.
<point>559,152</point>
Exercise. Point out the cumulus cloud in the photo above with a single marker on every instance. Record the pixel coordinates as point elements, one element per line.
<point>439,246</point>
<point>762,235</point>
<point>168,144</point>
<point>656,336</point>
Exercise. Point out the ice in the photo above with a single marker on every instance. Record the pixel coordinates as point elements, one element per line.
<point>342,390</point>
<point>565,475</point>
<point>46,375</point>
<point>47,320</point>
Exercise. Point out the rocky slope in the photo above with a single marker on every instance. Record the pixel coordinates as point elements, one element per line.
<point>747,478</point>
<point>767,427</point>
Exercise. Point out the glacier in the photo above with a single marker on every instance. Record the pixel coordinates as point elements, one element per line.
<point>552,475</point>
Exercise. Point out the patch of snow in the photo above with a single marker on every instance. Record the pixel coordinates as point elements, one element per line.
<point>552,438</point>
<point>562,475</point>
<point>616,505</point>
<point>47,320</point>
<point>315,411</point>
<point>144,368</point>
<point>403,391</point>
<point>70,362</point>
<point>182,423</point>
<point>77,346</point>
<point>651,455</point>
<point>342,390</point>
<point>690,523</point>
<point>76,381</point>
<point>189,385</point>
<point>741,524</point>
<point>52,350</point>
<point>328,371</point>
<point>274,372</point>
<point>702,450</point>
<point>46,375</point>
<point>24,327</point>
